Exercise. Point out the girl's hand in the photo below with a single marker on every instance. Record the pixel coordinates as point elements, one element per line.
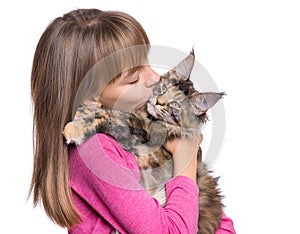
<point>184,153</point>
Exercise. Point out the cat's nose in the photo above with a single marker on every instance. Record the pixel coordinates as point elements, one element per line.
<point>160,101</point>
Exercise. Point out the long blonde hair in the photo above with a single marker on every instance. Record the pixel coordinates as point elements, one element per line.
<point>66,51</point>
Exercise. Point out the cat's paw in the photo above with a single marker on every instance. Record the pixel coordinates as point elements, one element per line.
<point>73,133</point>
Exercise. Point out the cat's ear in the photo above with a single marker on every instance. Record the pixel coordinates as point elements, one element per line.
<point>201,102</point>
<point>183,70</point>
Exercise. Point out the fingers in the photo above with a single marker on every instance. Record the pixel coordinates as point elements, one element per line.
<point>173,146</point>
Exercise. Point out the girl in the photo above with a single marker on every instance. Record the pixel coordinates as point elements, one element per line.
<point>95,188</point>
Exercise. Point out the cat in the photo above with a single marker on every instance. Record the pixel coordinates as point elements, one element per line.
<point>174,110</point>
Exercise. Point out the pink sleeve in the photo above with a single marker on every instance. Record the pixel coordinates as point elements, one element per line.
<point>226,226</point>
<point>107,178</point>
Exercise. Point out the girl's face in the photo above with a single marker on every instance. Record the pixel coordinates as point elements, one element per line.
<point>130,91</point>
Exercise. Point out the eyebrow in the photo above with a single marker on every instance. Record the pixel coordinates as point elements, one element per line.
<point>131,71</point>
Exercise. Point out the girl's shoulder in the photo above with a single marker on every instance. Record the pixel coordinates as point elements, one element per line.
<point>102,148</point>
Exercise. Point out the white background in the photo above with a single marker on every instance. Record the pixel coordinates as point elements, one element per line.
<point>252,51</point>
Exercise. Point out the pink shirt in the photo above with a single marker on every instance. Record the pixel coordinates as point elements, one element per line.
<point>105,186</point>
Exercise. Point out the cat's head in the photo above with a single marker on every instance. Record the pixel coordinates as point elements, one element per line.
<point>176,101</point>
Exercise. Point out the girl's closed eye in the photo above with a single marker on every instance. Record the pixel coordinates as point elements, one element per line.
<point>135,77</point>
<point>135,80</point>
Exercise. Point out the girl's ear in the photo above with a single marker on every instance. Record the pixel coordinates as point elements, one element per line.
<point>183,70</point>
<point>201,102</point>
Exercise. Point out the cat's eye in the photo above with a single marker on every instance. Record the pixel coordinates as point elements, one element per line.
<point>160,90</point>
<point>163,89</point>
<point>174,104</point>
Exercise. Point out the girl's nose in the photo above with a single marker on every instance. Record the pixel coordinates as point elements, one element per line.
<point>150,77</point>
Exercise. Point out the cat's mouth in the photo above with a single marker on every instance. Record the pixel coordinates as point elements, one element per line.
<point>160,112</point>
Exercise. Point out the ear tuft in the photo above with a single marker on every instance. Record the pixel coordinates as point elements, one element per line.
<point>192,52</point>
<point>182,71</point>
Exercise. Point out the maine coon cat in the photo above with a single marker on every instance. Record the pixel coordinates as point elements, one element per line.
<point>174,110</point>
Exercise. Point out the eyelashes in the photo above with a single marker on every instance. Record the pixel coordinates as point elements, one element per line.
<point>135,76</point>
<point>135,81</point>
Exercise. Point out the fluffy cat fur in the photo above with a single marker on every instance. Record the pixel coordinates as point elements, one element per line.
<point>174,110</point>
